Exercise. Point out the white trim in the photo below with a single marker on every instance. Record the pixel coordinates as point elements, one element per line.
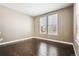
<point>74,46</point>
<point>18,40</point>
<point>15,41</point>
<point>54,40</point>
<point>74,50</point>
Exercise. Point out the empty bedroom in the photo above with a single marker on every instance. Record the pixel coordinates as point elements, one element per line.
<point>37,29</point>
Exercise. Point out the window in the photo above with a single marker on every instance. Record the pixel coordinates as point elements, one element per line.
<point>49,25</point>
<point>43,25</point>
<point>52,24</point>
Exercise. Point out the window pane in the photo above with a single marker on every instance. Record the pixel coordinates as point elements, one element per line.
<point>43,25</point>
<point>52,24</point>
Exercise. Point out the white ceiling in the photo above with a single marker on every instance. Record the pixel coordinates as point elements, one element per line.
<point>35,9</point>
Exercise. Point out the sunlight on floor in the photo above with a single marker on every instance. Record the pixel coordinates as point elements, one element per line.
<point>45,49</point>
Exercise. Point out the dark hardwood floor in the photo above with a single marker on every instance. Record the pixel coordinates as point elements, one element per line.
<point>36,47</point>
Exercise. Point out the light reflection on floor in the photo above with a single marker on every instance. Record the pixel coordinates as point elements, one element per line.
<point>42,51</point>
<point>46,49</point>
<point>52,50</point>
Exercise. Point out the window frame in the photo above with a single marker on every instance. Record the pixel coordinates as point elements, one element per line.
<point>47,25</point>
<point>56,25</point>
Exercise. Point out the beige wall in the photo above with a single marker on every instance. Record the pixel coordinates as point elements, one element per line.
<point>14,25</point>
<point>65,25</point>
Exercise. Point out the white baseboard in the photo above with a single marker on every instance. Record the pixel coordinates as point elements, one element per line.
<point>54,40</point>
<point>75,50</point>
<point>18,40</point>
<point>15,41</point>
<point>77,42</point>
